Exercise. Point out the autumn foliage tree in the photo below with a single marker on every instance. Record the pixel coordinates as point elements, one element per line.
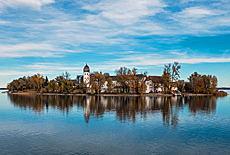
<point>37,81</point>
<point>65,85</point>
<point>123,78</point>
<point>136,82</point>
<point>110,84</point>
<point>202,83</point>
<point>100,78</point>
<point>53,86</point>
<point>93,84</point>
<point>170,76</point>
<point>34,82</point>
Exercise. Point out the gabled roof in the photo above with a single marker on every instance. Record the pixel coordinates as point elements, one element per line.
<point>114,78</point>
<point>157,79</point>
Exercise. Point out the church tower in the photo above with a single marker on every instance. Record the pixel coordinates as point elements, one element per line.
<point>86,75</point>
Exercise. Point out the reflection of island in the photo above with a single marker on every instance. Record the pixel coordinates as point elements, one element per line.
<point>202,105</point>
<point>125,108</point>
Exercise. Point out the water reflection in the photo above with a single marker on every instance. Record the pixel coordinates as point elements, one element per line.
<point>124,108</point>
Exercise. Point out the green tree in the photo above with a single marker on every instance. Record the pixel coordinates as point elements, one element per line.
<point>53,86</point>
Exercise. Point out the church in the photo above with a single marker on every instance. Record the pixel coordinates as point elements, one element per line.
<point>152,83</point>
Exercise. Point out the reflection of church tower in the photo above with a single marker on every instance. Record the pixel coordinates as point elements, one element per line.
<point>86,75</point>
<point>87,109</point>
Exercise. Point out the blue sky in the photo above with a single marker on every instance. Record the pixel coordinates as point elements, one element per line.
<point>53,36</point>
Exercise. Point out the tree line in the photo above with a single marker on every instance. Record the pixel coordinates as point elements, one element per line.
<point>197,83</point>
<point>126,81</point>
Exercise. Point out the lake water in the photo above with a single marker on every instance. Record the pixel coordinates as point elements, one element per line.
<point>114,125</point>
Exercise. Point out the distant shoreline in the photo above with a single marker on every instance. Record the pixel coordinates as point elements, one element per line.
<point>135,95</point>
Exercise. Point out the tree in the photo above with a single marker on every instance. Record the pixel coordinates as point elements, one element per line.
<point>166,78</point>
<point>123,78</point>
<point>94,86</point>
<point>214,84</point>
<point>199,86</point>
<point>192,80</point>
<point>13,85</point>
<point>53,86</point>
<point>141,85</point>
<point>181,86</point>
<point>175,71</point>
<point>65,85</point>
<point>109,84</point>
<point>61,81</point>
<point>46,81</point>
<point>171,75</point>
<point>21,84</point>
<point>156,83</point>
<point>30,83</point>
<point>66,75</point>
<point>202,83</point>
<point>133,80</point>
<point>38,81</point>
<point>100,78</point>
<point>82,85</point>
<point>68,86</point>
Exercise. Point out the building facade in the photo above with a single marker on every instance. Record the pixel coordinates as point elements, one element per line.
<point>153,83</point>
<point>86,75</point>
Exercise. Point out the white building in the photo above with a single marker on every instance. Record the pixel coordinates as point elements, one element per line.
<point>153,83</point>
<point>86,76</point>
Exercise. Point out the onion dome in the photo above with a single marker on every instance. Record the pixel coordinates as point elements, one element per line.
<point>86,68</point>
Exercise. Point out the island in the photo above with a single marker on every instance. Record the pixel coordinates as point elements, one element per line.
<point>126,82</point>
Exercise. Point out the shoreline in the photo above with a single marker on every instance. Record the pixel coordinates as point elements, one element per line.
<point>129,95</point>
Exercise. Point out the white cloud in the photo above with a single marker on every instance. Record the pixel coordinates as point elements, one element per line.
<point>53,69</point>
<point>111,22</point>
<point>126,12</point>
<point>201,20</point>
<point>152,59</point>
<point>21,73</point>
<point>195,12</point>
<point>34,4</point>
<point>50,67</point>
<point>3,22</point>
<point>44,50</point>
<point>27,50</point>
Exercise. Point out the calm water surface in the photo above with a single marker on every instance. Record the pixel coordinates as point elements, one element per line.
<point>114,125</point>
